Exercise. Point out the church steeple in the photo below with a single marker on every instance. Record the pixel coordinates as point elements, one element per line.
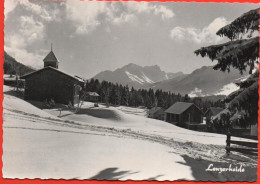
<point>51,60</point>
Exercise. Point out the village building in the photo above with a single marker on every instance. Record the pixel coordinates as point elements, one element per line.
<point>212,111</point>
<point>51,83</point>
<point>183,113</point>
<point>238,126</point>
<point>92,97</point>
<point>156,113</point>
<point>11,80</point>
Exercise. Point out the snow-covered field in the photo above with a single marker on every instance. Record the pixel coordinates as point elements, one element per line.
<point>107,143</point>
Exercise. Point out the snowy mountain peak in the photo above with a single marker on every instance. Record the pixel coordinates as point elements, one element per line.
<point>144,79</point>
<point>136,76</point>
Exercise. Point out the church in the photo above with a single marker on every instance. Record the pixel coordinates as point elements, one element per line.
<point>51,83</point>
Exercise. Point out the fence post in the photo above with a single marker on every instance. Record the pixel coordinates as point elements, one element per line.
<point>228,142</point>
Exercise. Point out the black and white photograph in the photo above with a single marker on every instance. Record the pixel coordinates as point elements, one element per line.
<point>127,90</point>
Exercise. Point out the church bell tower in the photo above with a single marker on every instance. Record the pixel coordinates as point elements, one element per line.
<point>51,60</point>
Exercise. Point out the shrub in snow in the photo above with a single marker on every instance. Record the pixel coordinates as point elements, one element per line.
<point>46,104</point>
<point>52,103</point>
<point>70,106</point>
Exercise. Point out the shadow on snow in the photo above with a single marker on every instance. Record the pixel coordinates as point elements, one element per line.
<point>111,174</point>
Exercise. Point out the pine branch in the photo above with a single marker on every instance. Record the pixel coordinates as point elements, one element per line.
<point>247,23</point>
<point>249,81</point>
<point>238,54</point>
<point>247,96</point>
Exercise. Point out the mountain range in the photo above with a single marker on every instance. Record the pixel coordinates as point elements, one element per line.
<point>136,76</point>
<point>204,81</point>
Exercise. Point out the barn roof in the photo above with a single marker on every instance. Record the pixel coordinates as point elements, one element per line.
<point>154,110</point>
<point>51,68</point>
<point>238,115</point>
<point>51,57</point>
<point>93,94</point>
<point>179,107</point>
<point>214,110</point>
<point>218,116</point>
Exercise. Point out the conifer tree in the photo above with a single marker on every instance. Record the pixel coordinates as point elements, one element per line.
<point>242,53</point>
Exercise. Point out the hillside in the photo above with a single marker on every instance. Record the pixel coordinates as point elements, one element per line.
<point>202,82</point>
<point>11,66</point>
<point>40,145</point>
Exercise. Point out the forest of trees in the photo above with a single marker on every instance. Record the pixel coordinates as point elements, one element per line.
<point>115,94</point>
<point>13,67</point>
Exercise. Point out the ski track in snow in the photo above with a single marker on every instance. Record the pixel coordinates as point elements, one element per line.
<point>193,149</point>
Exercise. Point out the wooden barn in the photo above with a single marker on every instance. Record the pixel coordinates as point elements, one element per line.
<point>236,127</point>
<point>183,113</point>
<point>51,83</point>
<point>92,97</point>
<point>156,113</point>
<point>211,112</point>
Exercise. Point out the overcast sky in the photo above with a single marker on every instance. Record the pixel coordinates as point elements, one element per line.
<point>89,37</point>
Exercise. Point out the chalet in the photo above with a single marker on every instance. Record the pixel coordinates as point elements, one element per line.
<point>212,111</point>
<point>238,125</point>
<point>92,96</point>
<point>10,80</point>
<point>156,113</point>
<point>51,83</point>
<point>183,113</point>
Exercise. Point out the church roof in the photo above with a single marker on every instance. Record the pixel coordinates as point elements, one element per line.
<point>50,57</point>
<point>51,68</point>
